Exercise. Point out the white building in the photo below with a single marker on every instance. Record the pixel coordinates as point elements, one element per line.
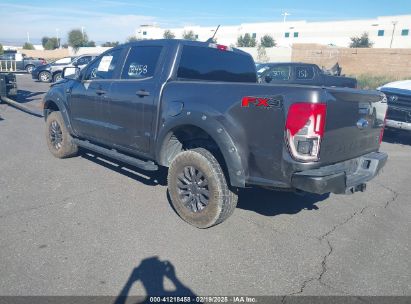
<point>381,31</point>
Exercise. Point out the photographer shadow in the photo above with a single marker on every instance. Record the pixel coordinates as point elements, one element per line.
<point>151,273</point>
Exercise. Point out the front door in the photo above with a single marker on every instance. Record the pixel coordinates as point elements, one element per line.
<point>89,97</point>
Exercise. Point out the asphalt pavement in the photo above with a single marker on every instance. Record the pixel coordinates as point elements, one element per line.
<point>88,226</point>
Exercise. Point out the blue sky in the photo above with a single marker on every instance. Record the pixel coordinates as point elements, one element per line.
<point>109,20</point>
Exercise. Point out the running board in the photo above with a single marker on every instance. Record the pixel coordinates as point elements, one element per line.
<point>145,165</point>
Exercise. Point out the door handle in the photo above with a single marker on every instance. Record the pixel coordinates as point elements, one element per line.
<point>100,92</point>
<point>142,93</point>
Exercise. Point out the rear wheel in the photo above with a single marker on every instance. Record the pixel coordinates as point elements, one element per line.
<point>57,77</point>
<point>29,68</point>
<point>198,189</point>
<point>45,76</point>
<point>59,141</point>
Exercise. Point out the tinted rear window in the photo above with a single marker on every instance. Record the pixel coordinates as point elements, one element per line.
<point>304,73</point>
<point>206,63</point>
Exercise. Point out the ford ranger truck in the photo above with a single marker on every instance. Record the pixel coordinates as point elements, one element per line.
<point>196,108</point>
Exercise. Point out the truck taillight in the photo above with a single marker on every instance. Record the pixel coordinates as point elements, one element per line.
<point>305,129</point>
<point>220,47</point>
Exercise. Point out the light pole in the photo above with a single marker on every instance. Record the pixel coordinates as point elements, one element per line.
<point>394,23</point>
<point>285,14</point>
<point>57,36</point>
<point>28,37</point>
<point>82,31</point>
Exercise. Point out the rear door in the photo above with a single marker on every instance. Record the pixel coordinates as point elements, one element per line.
<point>132,98</point>
<point>89,96</point>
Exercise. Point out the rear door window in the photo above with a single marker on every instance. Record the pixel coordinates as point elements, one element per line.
<point>211,64</point>
<point>141,62</point>
<point>304,73</point>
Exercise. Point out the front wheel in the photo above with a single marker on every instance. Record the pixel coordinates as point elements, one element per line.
<point>198,189</point>
<point>45,76</point>
<point>59,140</point>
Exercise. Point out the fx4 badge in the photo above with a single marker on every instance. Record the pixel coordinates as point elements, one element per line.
<point>261,102</point>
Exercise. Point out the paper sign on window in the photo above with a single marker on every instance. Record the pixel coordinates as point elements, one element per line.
<point>105,63</point>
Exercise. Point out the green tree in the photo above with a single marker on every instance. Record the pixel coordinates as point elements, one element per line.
<point>1,49</point>
<point>267,41</point>
<point>132,39</point>
<point>44,41</point>
<point>168,35</point>
<point>90,43</point>
<point>361,42</point>
<point>246,41</point>
<point>77,39</point>
<point>110,44</point>
<point>51,44</point>
<point>189,35</point>
<point>28,46</point>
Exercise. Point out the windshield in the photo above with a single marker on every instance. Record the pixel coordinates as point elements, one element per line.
<point>65,60</point>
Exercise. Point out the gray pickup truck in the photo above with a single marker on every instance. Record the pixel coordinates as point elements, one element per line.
<point>20,61</point>
<point>197,109</point>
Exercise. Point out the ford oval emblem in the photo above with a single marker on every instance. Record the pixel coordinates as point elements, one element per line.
<point>362,124</point>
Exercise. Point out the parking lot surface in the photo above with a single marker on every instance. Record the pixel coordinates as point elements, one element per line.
<point>87,226</point>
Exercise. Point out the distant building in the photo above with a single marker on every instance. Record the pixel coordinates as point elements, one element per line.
<point>336,33</point>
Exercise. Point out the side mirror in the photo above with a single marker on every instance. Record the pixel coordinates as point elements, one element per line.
<point>71,73</point>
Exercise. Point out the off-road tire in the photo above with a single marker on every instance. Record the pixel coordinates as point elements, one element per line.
<point>66,148</point>
<point>222,200</point>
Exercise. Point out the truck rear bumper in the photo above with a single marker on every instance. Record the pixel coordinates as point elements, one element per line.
<point>398,124</point>
<point>342,178</point>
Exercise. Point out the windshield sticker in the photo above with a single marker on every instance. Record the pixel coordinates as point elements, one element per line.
<point>105,63</point>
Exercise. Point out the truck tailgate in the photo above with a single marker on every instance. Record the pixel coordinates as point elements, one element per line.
<point>355,120</point>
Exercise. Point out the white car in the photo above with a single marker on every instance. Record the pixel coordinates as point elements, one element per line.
<point>399,104</point>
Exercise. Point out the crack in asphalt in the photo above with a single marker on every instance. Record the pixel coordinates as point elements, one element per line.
<point>49,204</point>
<point>395,195</point>
<point>325,236</point>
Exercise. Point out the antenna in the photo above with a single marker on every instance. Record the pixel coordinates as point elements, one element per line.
<point>209,40</point>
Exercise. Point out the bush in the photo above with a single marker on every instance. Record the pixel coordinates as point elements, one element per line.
<point>369,82</point>
<point>168,35</point>
<point>28,46</point>
<point>246,41</point>
<point>132,39</point>
<point>189,36</point>
<point>110,44</point>
<point>1,49</point>
<point>51,44</point>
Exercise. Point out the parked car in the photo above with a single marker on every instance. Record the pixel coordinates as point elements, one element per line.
<point>20,61</point>
<point>399,104</point>
<point>52,72</point>
<point>197,109</point>
<point>301,73</point>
